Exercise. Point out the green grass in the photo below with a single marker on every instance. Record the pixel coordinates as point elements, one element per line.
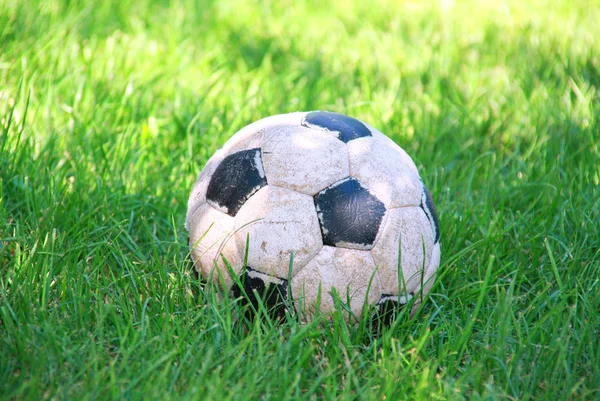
<point>109,109</point>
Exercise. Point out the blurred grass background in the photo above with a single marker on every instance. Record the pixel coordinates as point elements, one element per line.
<point>109,109</point>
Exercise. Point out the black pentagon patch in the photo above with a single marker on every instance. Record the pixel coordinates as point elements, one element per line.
<point>238,176</point>
<point>388,308</point>
<point>349,215</point>
<point>348,128</point>
<point>431,213</point>
<point>272,292</point>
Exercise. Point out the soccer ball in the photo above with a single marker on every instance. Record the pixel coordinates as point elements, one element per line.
<point>313,210</point>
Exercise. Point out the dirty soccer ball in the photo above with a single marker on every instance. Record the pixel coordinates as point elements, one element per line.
<point>307,208</point>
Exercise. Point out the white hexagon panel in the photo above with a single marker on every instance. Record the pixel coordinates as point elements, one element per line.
<point>350,272</point>
<point>407,233</point>
<point>380,136</point>
<point>385,172</point>
<point>278,222</point>
<point>303,159</point>
<point>211,240</point>
<point>251,136</point>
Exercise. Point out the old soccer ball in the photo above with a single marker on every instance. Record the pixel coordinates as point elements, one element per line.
<point>301,209</point>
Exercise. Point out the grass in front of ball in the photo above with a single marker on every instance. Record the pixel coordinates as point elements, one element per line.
<point>109,109</point>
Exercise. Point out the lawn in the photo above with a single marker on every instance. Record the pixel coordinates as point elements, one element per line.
<point>109,109</point>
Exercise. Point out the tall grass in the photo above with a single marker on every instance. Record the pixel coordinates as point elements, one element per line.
<point>109,109</point>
